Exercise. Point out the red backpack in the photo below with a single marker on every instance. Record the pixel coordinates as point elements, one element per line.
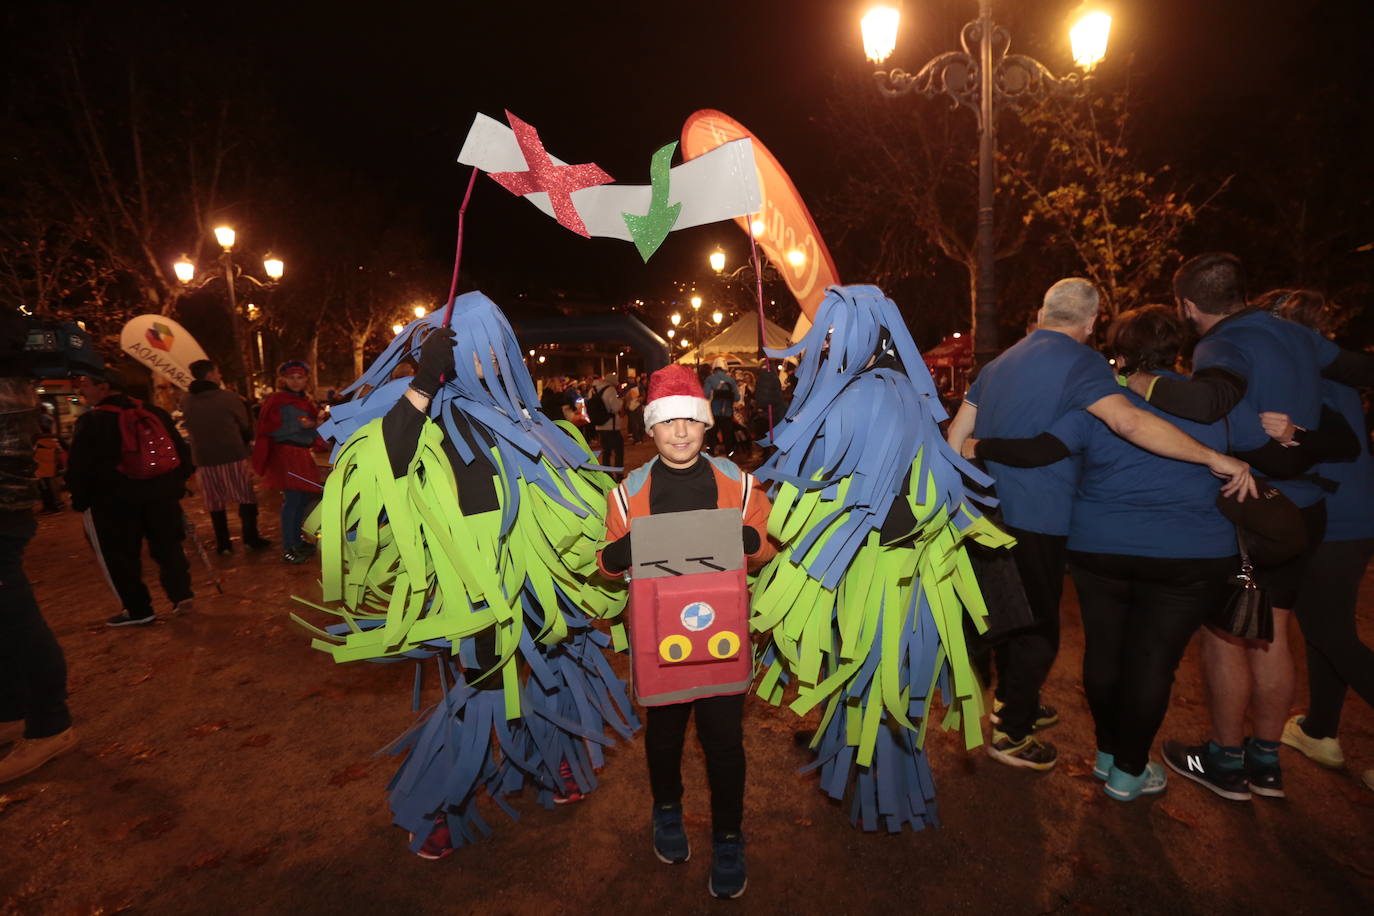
<point>146,449</point>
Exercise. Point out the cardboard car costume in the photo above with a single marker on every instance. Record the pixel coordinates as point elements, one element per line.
<point>689,607</point>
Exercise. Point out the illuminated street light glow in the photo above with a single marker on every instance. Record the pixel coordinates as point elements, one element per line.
<point>696,302</point>
<point>184,269</point>
<point>957,335</point>
<point>273,266</point>
<point>396,329</point>
<point>796,257</point>
<point>671,333</point>
<point>717,317</point>
<point>531,352</point>
<point>421,311</point>
<point>225,236</point>
<point>1088,38</point>
<point>879,27</point>
<point>757,227</point>
<point>676,319</point>
<point>717,260</point>
<point>541,359</point>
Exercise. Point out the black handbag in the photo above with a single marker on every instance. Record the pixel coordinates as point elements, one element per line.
<point>1247,613</point>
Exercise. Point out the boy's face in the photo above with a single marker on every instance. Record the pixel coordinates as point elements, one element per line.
<point>678,441</point>
<point>295,381</point>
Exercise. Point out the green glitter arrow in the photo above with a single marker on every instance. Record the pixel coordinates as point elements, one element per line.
<point>649,230</point>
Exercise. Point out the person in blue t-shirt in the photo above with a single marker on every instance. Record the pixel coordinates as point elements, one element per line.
<point>1022,393</point>
<point>1337,659</point>
<point>1247,356</point>
<point>1150,552</point>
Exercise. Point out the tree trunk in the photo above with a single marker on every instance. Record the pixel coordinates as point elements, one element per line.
<point>359,343</point>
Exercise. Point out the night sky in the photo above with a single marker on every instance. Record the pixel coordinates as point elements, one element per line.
<point>379,96</point>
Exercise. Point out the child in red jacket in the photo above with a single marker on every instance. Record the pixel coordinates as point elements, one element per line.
<point>681,479</point>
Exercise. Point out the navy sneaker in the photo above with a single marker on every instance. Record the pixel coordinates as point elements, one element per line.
<point>670,840</point>
<point>728,878</point>
<point>1195,762</point>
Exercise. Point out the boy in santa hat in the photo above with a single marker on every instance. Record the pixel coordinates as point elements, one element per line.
<point>676,416</point>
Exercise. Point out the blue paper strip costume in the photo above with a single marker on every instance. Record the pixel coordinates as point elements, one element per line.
<point>500,599</point>
<point>864,627</point>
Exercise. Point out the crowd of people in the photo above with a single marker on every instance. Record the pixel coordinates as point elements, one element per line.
<point>1212,495</point>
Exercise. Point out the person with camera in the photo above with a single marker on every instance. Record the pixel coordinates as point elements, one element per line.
<point>34,719</point>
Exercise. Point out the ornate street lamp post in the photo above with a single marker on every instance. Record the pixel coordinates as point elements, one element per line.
<point>980,77</point>
<point>272,266</point>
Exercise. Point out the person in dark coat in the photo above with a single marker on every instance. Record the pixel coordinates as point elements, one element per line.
<point>217,422</point>
<point>122,509</point>
<point>34,719</point>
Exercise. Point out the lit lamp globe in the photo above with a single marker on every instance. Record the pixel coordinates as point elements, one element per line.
<point>879,27</point>
<point>717,260</point>
<point>184,269</point>
<point>225,236</point>
<point>676,319</point>
<point>396,329</point>
<point>421,311</point>
<point>717,317</point>
<point>1088,37</point>
<point>273,266</point>
<point>696,302</point>
<point>756,228</point>
<point>796,257</point>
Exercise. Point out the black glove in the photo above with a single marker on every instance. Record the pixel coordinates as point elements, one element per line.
<point>752,542</point>
<point>615,556</point>
<point>436,362</point>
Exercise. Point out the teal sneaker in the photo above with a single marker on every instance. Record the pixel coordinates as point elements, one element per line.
<point>728,879</point>
<point>670,840</point>
<point>1125,787</point>
<point>1102,766</point>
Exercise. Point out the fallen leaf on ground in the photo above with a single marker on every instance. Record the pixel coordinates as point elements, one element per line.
<point>349,774</point>
<point>209,728</point>
<point>256,741</point>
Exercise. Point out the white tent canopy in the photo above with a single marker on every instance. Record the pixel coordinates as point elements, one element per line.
<point>739,343</point>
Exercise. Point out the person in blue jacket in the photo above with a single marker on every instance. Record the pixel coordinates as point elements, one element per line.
<point>1328,593</point>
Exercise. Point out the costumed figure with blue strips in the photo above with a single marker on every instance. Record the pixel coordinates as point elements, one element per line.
<point>460,526</point>
<point>864,606</point>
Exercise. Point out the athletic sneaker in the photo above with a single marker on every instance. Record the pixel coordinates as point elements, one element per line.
<point>122,619</point>
<point>439,843</point>
<point>1028,752</point>
<point>728,879</point>
<point>1326,751</point>
<point>571,793</point>
<point>1262,770</point>
<point>295,555</point>
<point>1045,716</point>
<point>1102,765</point>
<point>1125,787</point>
<point>184,606</point>
<point>1195,763</point>
<point>670,840</point>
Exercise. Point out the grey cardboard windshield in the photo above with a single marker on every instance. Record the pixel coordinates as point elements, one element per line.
<point>685,543</point>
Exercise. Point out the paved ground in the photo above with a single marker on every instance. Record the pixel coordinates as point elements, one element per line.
<point>225,767</point>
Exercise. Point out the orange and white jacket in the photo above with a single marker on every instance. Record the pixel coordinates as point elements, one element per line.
<point>735,489</point>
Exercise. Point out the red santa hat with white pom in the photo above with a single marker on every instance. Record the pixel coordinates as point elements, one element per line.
<point>675,393</point>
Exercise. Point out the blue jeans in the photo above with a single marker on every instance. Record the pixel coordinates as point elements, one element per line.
<point>295,506</point>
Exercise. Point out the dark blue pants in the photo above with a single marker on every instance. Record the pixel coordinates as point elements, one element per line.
<point>295,506</point>
<point>33,672</point>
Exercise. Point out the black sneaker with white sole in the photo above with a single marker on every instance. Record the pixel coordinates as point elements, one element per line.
<point>122,619</point>
<point>1029,753</point>
<point>1193,761</point>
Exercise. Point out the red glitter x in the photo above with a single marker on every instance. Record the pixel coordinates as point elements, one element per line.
<point>558,181</point>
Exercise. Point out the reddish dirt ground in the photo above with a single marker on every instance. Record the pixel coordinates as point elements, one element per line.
<point>226,767</point>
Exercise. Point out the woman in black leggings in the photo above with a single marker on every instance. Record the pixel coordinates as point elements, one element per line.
<point>1336,658</point>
